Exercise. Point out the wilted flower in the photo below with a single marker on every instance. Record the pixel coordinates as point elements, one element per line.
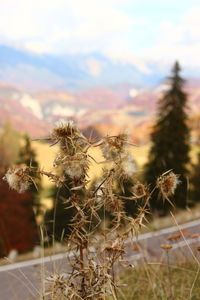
<point>75,166</point>
<point>18,178</point>
<point>113,147</point>
<point>69,136</point>
<point>139,190</point>
<point>167,184</point>
<point>63,128</point>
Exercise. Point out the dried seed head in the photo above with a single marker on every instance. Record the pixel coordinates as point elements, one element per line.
<point>166,247</point>
<point>139,190</point>
<point>18,178</point>
<point>63,129</point>
<point>128,165</point>
<point>167,184</point>
<point>75,166</point>
<point>113,148</point>
<point>70,138</point>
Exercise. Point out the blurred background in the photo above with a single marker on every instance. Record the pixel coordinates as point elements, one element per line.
<point>100,63</point>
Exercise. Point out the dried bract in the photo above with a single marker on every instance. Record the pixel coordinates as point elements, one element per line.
<point>139,190</point>
<point>74,166</point>
<point>113,148</point>
<point>18,178</point>
<point>69,136</point>
<point>167,184</point>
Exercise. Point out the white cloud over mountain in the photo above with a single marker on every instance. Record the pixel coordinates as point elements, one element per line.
<point>119,29</point>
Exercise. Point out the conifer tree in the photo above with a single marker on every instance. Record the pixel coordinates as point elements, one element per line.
<point>170,140</point>
<point>59,216</point>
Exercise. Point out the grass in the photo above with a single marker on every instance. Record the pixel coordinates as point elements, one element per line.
<point>161,281</point>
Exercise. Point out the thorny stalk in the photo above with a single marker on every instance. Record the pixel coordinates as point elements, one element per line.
<point>92,272</point>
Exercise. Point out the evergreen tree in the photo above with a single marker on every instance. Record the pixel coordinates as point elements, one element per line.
<point>57,219</point>
<point>170,141</point>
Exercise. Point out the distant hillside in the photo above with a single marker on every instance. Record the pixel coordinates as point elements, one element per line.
<point>97,110</point>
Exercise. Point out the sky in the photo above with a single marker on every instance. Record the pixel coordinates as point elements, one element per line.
<point>136,31</point>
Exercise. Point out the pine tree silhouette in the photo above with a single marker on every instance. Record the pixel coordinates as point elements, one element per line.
<point>57,219</point>
<point>170,141</point>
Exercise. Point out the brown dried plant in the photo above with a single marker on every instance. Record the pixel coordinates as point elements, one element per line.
<point>96,252</point>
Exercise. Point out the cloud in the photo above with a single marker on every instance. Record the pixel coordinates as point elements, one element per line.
<point>71,26</point>
<point>179,40</point>
<point>123,30</point>
<point>61,25</point>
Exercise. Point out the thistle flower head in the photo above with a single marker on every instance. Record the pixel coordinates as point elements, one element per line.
<point>75,166</point>
<point>64,128</point>
<point>113,148</point>
<point>18,178</point>
<point>69,136</point>
<point>139,190</point>
<point>167,183</point>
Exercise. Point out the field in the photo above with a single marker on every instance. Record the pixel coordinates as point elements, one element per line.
<point>46,155</point>
<point>157,281</point>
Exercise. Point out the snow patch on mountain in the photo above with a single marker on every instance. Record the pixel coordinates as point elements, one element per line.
<point>27,101</point>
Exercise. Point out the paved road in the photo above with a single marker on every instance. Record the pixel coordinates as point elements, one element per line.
<point>21,281</point>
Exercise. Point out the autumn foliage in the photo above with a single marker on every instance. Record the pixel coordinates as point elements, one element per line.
<point>17,230</point>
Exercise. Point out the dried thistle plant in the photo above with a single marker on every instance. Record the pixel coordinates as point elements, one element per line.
<point>113,148</point>
<point>96,251</point>
<point>167,184</point>
<point>18,178</point>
